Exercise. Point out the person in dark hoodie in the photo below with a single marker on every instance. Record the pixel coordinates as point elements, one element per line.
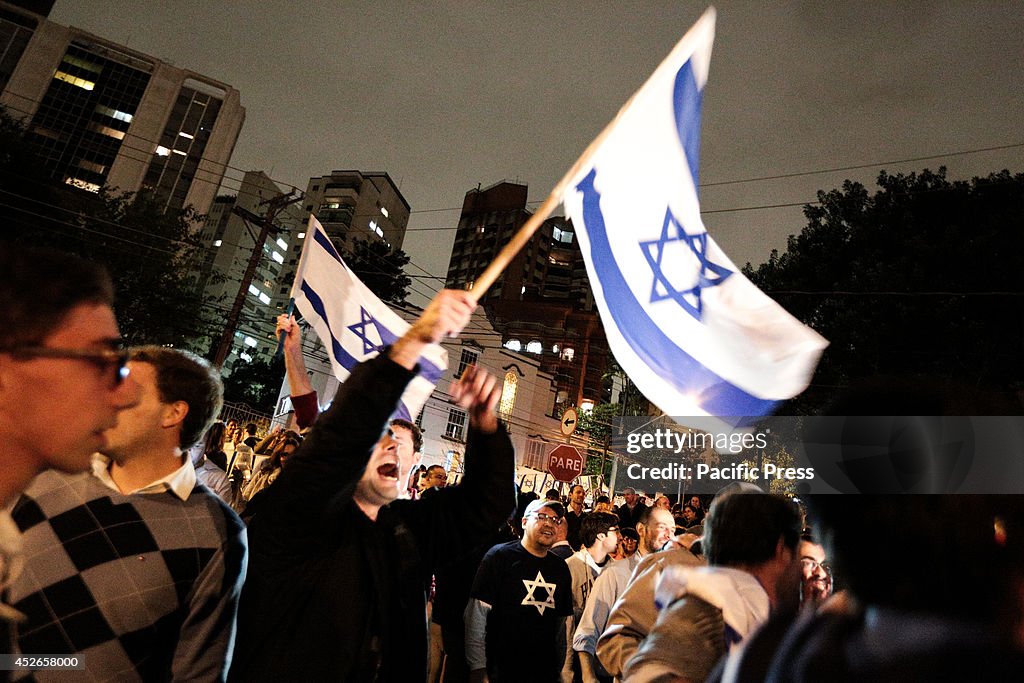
<point>338,565</point>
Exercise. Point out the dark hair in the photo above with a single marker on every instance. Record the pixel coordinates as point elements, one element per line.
<point>602,499</point>
<point>39,287</point>
<point>417,434</point>
<point>250,429</point>
<point>435,467</point>
<point>184,376</point>
<point>275,457</point>
<point>644,516</point>
<point>745,528</point>
<point>553,494</point>
<point>974,575</point>
<point>213,442</point>
<point>690,507</point>
<point>596,523</point>
<point>574,486</point>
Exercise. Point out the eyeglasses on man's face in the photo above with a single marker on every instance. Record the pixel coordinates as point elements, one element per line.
<point>114,361</point>
<point>812,565</point>
<point>544,517</point>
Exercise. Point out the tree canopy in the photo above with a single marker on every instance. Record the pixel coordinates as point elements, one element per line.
<point>923,278</point>
<point>380,269</point>
<point>151,253</point>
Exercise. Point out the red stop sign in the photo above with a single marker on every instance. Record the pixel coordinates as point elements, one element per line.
<point>565,463</point>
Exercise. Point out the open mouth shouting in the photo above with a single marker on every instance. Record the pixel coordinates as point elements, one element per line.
<point>388,470</point>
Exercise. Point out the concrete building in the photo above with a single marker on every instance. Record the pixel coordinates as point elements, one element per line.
<point>542,303</point>
<point>102,114</point>
<point>230,243</point>
<point>358,205</point>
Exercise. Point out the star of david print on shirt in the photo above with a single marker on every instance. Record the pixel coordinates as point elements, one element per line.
<point>531,589</point>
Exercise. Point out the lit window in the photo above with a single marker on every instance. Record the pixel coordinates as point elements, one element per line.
<point>162,151</point>
<point>508,394</point>
<point>523,290</point>
<point>246,357</point>
<point>107,130</point>
<point>281,243</point>
<point>114,113</point>
<point>74,80</point>
<point>535,347</point>
<point>249,341</point>
<point>254,290</point>
<point>178,151</point>
<point>456,424</point>
<point>218,243</point>
<point>302,235</point>
<point>92,166</point>
<point>513,345</point>
<point>82,184</point>
<point>384,211</point>
<point>186,135</point>
<point>554,348</point>
<point>265,299</point>
<point>277,257</point>
<point>83,64</point>
<point>587,406</point>
<point>568,353</point>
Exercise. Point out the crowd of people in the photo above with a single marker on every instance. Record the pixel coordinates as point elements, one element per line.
<point>159,543</point>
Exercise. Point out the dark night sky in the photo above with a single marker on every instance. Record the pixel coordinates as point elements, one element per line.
<point>446,95</point>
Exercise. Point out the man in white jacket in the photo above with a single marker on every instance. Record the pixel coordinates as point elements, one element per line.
<point>750,543</point>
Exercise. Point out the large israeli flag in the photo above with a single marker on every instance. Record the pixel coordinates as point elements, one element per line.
<point>694,335</point>
<point>353,324</point>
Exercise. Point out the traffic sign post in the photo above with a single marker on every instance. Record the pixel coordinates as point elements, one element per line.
<point>565,463</point>
<point>570,420</point>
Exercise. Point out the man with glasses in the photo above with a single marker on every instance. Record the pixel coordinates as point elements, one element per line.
<point>599,532</point>
<point>816,579</point>
<point>136,565</point>
<point>520,600</point>
<point>654,528</point>
<point>62,379</point>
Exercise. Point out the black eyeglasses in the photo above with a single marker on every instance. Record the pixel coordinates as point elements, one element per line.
<point>103,359</point>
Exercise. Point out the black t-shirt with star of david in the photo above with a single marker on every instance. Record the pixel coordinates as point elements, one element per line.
<point>528,596</point>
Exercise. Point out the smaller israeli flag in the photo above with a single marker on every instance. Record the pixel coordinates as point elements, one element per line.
<point>694,335</point>
<point>353,324</point>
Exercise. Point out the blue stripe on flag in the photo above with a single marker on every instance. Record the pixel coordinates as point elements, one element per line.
<point>344,357</point>
<point>682,371</point>
<point>325,242</point>
<point>687,99</point>
<point>428,370</point>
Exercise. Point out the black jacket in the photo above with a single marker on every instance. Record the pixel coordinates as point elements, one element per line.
<point>331,595</point>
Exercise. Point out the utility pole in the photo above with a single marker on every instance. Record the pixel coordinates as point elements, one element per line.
<point>267,228</point>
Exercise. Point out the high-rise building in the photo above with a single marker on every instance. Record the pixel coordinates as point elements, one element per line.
<point>102,114</point>
<point>542,303</point>
<point>230,243</point>
<point>358,205</point>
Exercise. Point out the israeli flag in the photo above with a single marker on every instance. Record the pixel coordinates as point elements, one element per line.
<point>353,324</point>
<point>694,335</point>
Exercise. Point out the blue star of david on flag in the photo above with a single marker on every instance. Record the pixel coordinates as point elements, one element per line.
<point>359,329</point>
<point>708,274</point>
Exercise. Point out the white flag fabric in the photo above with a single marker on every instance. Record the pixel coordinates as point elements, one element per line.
<point>353,324</point>
<point>694,335</point>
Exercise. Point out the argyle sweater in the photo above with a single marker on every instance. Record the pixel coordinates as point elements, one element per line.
<point>143,586</point>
